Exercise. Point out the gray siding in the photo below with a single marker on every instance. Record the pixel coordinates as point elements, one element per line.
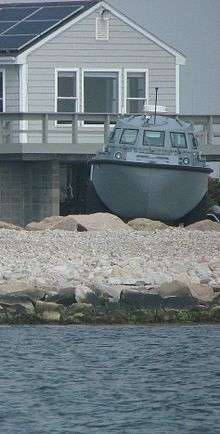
<point>77,47</point>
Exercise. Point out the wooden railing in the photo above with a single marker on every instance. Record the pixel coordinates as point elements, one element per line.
<point>45,132</point>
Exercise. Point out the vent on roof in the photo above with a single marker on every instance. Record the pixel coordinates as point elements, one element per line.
<point>102,29</point>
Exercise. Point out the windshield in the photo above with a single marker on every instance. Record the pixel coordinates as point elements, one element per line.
<point>115,135</point>
<point>193,141</point>
<point>178,140</point>
<point>129,137</point>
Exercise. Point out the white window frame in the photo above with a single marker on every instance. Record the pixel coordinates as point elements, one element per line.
<point>119,72</point>
<point>3,90</point>
<point>126,98</point>
<point>77,98</point>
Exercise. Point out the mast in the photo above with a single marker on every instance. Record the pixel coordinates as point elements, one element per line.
<point>155,109</point>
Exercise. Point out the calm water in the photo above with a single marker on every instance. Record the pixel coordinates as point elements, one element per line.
<point>82,379</point>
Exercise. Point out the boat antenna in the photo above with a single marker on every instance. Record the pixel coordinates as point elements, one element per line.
<point>155,110</point>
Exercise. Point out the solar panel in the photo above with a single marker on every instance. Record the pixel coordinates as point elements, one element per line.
<point>21,25</point>
<point>30,27</point>
<point>13,42</point>
<point>55,12</point>
<point>16,14</point>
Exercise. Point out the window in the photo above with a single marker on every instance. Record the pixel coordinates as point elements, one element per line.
<point>101,92</point>
<point>102,29</point>
<point>193,141</point>
<point>136,92</point>
<point>67,100</point>
<point>178,140</point>
<point>1,92</point>
<point>115,135</point>
<point>153,138</point>
<point>129,137</point>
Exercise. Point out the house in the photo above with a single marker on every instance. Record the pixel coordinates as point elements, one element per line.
<point>81,56</point>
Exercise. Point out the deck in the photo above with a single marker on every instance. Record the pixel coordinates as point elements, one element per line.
<point>43,136</point>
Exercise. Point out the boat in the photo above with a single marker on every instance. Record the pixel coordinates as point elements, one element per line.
<point>151,167</point>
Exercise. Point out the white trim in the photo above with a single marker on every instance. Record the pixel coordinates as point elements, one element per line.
<point>146,72</point>
<point>180,58</point>
<point>177,89</point>
<point>57,70</point>
<point>3,90</point>
<point>119,72</point>
<point>23,99</point>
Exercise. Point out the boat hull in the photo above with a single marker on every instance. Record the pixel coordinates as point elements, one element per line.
<point>152,191</point>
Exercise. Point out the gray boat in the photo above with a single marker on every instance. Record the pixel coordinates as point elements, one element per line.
<point>151,167</point>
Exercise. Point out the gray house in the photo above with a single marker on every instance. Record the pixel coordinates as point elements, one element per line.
<point>58,59</point>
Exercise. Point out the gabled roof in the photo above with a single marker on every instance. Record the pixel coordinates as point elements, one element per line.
<point>50,19</point>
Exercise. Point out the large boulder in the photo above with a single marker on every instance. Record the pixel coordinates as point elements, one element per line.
<point>176,295</point>
<point>67,223</point>
<point>99,222</point>
<point>202,293</point>
<point>204,225</point>
<point>141,299</point>
<point>48,311</point>
<point>44,224</point>
<point>143,224</point>
<point>10,226</point>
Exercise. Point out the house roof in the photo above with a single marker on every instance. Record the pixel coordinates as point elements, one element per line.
<point>26,26</point>
<point>23,24</point>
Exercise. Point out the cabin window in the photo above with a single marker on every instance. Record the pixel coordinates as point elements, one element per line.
<point>178,140</point>
<point>115,135</point>
<point>101,92</point>
<point>129,137</point>
<point>153,138</point>
<point>193,141</point>
<point>136,96</point>
<point>1,92</point>
<point>67,100</point>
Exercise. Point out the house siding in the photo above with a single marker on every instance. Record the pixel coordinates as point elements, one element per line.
<point>76,47</point>
<point>11,87</point>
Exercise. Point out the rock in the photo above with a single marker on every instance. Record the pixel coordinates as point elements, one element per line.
<point>10,226</point>
<point>67,223</point>
<point>204,225</point>
<point>44,224</point>
<point>48,311</point>
<point>13,286</point>
<point>143,224</point>
<point>99,222</point>
<point>214,264</point>
<point>79,313</point>
<point>66,297</point>
<point>215,314</point>
<point>174,288</point>
<point>202,293</point>
<point>141,299</point>
<point>179,302</point>
<point>82,293</point>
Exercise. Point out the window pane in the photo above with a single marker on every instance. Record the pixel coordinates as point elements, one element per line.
<point>193,141</point>
<point>136,85</point>
<point>135,106</point>
<point>101,92</point>
<point>1,105</point>
<point>178,140</point>
<point>1,85</point>
<point>153,138</point>
<point>66,105</point>
<point>129,137</point>
<point>67,84</point>
<point>115,135</point>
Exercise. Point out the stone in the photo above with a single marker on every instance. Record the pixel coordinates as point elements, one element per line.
<point>44,224</point>
<point>179,302</point>
<point>204,225</point>
<point>141,299</point>
<point>100,222</point>
<point>66,297</point>
<point>174,288</point>
<point>214,265</point>
<point>67,223</point>
<point>215,314</point>
<point>9,226</point>
<point>48,311</point>
<point>143,224</point>
<point>203,293</point>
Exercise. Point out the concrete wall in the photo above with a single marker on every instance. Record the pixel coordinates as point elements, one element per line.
<point>28,191</point>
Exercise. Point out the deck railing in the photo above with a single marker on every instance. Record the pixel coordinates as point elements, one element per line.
<point>37,132</point>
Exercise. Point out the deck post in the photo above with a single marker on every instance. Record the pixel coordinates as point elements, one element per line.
<point>74,129</point>
<point>210,131</point>
<point>106,129</point>
<point>45,128</point>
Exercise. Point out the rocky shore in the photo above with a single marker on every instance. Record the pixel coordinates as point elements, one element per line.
<point>98,270</point>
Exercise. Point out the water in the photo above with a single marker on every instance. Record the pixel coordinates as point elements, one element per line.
<point>119,380</point>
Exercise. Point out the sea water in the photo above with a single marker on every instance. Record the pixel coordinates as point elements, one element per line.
<point>119,380</point>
